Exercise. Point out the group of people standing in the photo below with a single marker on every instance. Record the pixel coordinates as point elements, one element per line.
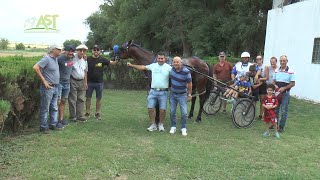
<point>269,84</point>
<point>68,76</point>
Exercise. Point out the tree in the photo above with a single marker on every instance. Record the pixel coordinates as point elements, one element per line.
<point>71,42</point>
<point>20,46</point>
<point>4,43</point>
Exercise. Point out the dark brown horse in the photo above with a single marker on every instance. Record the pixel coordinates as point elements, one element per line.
<point>200,84</point>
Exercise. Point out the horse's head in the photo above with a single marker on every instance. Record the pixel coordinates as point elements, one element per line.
<point>121,52</point>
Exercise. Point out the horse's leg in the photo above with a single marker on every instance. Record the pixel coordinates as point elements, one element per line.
<point>202,100</point>
<point>157,114</point>
<point>193,101</point>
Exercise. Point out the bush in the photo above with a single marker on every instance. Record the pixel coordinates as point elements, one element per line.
<point>4,43</point>
<point>20,46</point>
<point>4,110</point>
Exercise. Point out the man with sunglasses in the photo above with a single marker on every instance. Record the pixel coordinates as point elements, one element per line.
<point>95,80</point>
<point>78,84</point>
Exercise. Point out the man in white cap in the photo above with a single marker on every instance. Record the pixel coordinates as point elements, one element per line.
<point>241,67</point>
<point>78,84</point>
<point>47,70</point>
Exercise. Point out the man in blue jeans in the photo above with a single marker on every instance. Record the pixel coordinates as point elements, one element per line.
<point>65,62</point>
<point>284,80</point>
<point>159,89</point>
<point>47,70</point>
<point>181,88</point>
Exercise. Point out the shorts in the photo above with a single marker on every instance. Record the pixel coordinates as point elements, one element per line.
<point>272,120</point>
<point>63,90</point>
<point>155,97</point>
<point>263,89</point>
<point>98,87</point>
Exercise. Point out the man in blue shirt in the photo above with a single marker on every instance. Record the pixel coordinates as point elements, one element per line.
<point>284,80</point>
<point>159,89</point>
<point>65,62</point>
<point>181,88</point>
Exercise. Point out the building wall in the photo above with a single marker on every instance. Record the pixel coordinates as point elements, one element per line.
<point>291,30</point>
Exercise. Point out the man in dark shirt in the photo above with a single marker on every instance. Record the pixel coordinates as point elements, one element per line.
<point>65,62</point>
<point>95,80</point>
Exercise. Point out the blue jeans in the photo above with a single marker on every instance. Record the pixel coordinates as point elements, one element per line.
<point>283,109</point>
<point>63,90</point>
<point>182,100</point>
<point>157,96</point>
<point>48,105</point>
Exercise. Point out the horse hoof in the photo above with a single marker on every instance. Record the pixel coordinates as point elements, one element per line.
<point>189,117</point>
<point>198,120</point>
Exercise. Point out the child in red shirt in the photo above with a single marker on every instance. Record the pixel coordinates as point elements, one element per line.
<point>270,102</point>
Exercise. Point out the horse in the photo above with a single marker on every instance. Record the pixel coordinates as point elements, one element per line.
<point>200,83</point>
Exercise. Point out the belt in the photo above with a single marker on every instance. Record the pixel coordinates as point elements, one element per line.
<point>76,79</point>
<point>53,85</point>
<point>160,89</point>
<point>179,92</point>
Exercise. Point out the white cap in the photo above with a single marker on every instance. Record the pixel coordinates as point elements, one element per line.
<point>245,54</point>
<point>54,46</point>
<point>82,46</point>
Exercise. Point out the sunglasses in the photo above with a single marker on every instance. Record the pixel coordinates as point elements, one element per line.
<point>96,50</point>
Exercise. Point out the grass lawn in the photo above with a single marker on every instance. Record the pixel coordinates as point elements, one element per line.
<point>119,147</point>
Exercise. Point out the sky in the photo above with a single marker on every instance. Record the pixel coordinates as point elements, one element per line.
<point>18,15</point>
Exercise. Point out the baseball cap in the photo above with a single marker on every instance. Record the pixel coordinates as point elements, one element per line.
<point>70,48</point>
<point>96,47</point>
<point>222,54</point>
<point>54,46</point>
<point>82,46</point>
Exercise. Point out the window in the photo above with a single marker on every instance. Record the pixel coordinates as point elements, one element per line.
<point>316,51</point>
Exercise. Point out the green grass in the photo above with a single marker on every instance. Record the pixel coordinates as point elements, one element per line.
<point>120,147</point>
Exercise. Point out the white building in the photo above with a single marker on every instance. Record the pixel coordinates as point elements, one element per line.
<point>294,30</point>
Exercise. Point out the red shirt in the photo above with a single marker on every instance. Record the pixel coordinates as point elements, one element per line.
<point>223,73</point>
<point>270,113</point>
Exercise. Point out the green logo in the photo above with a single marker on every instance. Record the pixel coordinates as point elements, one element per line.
<point>45,23</point>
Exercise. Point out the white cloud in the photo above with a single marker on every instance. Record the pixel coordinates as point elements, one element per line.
<point>70,20</point>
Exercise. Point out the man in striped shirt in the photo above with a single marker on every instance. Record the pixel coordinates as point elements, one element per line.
<point>181,88</point>
<point>284,80</point>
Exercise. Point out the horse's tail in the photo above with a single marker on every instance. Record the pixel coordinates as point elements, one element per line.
<point>209,82</point>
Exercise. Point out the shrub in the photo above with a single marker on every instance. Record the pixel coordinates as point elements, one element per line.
<point>4,43</point>
<point>4,110</point>
<point>20,46</point>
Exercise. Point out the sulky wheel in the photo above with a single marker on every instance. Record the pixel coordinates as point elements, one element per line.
<point>243,113</point>
<point>212,104</point>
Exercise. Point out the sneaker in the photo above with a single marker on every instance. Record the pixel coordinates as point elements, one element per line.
<point>281,129</point>
<point>184,131</point>
<point>82,119</point>
<point>64,122</point>
<point>161,127</point>
<point>277,135</point>
<point>59,125</point>
<point>266,134</point>
<point>73,119</point>
<point>153,127</point>
<point>55,127</point>
<point>87,115</point>
<point>172,130</point>
<point>45,130</point>
<point>97,116</point>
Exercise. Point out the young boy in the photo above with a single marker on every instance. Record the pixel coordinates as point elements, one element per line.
<point>270,102</point>
<point>242,85</point>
